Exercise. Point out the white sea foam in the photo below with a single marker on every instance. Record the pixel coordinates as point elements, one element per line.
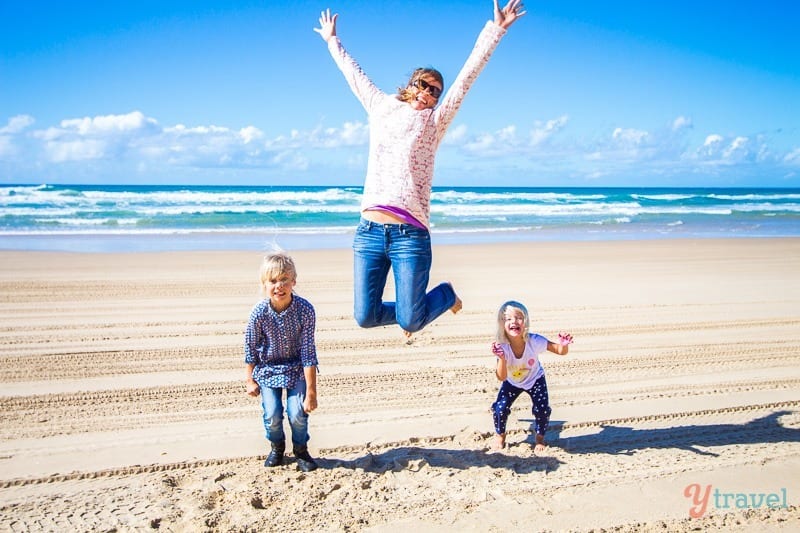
<point>663,197</point>
<point>319,213</point>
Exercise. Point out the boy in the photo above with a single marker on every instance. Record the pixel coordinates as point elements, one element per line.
<point>280,354</point>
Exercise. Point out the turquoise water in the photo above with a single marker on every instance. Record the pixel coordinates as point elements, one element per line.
<point>135,218</point>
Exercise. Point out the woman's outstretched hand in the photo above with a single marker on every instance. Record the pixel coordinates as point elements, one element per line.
<point>505,17</point>
<point>327,24</point>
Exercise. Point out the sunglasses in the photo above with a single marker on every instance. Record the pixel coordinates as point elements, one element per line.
<point>423,85</point>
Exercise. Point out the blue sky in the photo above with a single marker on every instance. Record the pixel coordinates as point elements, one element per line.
<point>612,93</point>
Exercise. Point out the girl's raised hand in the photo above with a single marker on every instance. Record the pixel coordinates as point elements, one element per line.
<point>505,17</point>
<point>497,350</point>
<point>327,24</point>
<point>565,339</point>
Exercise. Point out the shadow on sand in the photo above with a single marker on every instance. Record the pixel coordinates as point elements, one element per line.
<point>614,440</point>
<point>415,458</point>
<point>626,441</point>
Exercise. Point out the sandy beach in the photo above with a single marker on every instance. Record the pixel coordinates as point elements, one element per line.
<point>677,408</point>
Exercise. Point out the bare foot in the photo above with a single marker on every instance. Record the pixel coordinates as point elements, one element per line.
<point>409,336</point>
<point>456,306</point>
<point>540,445</point>
<point>498,444</point>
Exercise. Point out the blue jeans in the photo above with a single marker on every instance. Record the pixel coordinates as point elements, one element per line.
<point>272,403</point>
<point>406,249</point>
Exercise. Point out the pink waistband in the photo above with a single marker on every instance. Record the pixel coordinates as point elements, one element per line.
<point>402,214</point>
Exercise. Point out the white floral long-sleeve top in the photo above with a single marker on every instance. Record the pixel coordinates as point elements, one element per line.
<point>403,141</point>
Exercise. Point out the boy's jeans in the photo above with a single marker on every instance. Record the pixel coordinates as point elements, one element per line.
<point>272,403</point>
<point>407,250</point>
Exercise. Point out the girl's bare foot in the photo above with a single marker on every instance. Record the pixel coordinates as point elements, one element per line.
<point>499,443</point>
<point>540,445</point>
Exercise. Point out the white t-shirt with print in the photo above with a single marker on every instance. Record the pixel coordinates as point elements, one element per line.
<point>524,371</point>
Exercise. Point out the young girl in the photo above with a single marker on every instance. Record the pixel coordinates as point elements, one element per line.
<point>405,132</point>
<point>520,370</point>
<point>280,355</point>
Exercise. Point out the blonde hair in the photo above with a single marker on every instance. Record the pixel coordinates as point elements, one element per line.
<point>274,265</point>
<point>511,305</point>
<point>406,94</point>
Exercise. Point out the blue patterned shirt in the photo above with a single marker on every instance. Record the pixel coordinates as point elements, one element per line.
<point>280,344</point>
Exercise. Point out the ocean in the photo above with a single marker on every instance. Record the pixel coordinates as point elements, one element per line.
<point>132,218</point>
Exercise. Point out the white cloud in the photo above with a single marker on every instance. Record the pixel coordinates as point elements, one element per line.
<point>681,123</point>
<point>542,132</point>
<point>629,137</point>
<point>102,125</point>
<point>737,149</point>
<point>507,140</point>
<point>290,160</point>
<point>456,135</point>
<point>719,151</point>
<point>764,153</point>
<point>135,136</point>
<point>712,146</point>
<point>49,134</point>
<point>135,141</point>
<point>16,124</point>
<point>349,134</point>
<point>627,146</point>
<point>503,141</point>
<point>482,143</point>
<point>212,146</point>
<point>198,131</point>
<point>250,134</point>
<point>793,157</point>
<point>80,150</point>
<point>354,133</point>
<point>98,137</point>
<point>507,134</point>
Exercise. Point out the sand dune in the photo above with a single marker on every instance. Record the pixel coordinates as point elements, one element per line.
<point>124,406</point>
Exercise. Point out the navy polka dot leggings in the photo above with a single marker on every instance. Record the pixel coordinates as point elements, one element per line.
<point>501,408</point>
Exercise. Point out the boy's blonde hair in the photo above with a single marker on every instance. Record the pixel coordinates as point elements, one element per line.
<point>274,265</point>
<point>511,305</point>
